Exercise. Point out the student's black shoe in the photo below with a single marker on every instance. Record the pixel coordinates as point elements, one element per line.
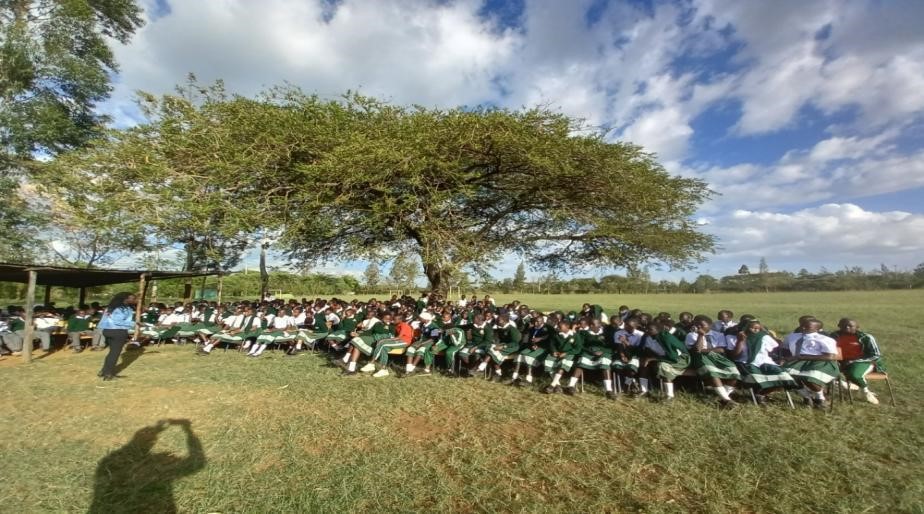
<point>667,399</point>
<point>551,389</point>
<point>819,404</point>
<point>78,350</point>
<point>407,374</point>
<point>727,404</point>
<point>348,373</point>
<point>611,395</point>
<point>762,400</point>
<point>515,382</point>
<point>465,373</point>
<point>570,391</point>
<point>107,377</point>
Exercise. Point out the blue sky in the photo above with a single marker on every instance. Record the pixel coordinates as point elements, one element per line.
<point>806,117</point>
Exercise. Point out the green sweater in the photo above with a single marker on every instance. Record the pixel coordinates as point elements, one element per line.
<point>77,324</point>
<point>483,336</point>
<point>571,344</point>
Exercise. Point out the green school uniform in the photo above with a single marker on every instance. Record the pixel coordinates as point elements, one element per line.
<point>78,324</point>
<point>569,346</point>
<point>596,354</point>
<point>343,330</point>
<point>451,342</point>
<point>480,340</point>
<point>507,342</point>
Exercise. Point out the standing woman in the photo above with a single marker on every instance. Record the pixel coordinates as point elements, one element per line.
<point>118,319</point>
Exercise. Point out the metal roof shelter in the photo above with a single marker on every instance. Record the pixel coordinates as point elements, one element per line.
<point>80,278</point>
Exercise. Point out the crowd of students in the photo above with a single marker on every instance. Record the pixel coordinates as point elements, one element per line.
<point>627,350</point>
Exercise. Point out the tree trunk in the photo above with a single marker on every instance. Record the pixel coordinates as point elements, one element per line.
<point>264,276</point>
<point>187,286</point>
<point>438,277</point>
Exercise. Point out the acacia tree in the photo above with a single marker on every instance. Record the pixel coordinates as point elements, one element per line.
<point>461,187</point>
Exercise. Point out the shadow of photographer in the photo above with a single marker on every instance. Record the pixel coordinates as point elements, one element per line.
<point>133,479</point>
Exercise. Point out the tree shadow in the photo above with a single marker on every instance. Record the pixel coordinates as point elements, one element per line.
<point>128,357</point>
<point>132,479</point>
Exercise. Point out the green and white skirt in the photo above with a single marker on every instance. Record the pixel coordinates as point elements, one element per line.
<point>766,376</point>
<point>532,357</point>
<point>816,372</point>
<point>565,363</point>
<point>309,336</point>
<point>506,353</point>
<point>589,359</point>
<point>276,336</point>
<point>714,365</point>
<point>671,370</point>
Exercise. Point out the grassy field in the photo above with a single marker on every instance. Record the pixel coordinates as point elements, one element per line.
<point>289,435</point>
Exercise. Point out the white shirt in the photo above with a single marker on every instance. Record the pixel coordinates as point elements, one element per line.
<point>812,344</point>
<point>767,345</point>
<point>713,340</point>
<point>234,321</point>
<point>282,322</point>
<point>44,323</point>
<point>633,338</point>
<point>332,318</point>
<point>299,320</point>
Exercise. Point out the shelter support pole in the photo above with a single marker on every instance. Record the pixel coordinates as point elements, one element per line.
<point>221,280</point>
<point>142,291</point>
<point>47,295</point>
<point>30,307</point>
<point>82,298</point>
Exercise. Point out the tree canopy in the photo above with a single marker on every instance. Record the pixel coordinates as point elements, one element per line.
<point>359,178</point>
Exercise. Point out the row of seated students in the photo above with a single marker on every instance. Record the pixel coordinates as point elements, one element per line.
<point>78,325</point>
<point>627,350</point>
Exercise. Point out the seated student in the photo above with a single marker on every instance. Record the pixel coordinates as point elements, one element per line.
<point>813,363</point>
<point>566,346</point>
<point>280,330</point>
<point>480,338</point>
<point>338,335</point>
<point>724,321</point>
<point>451,341</point>
<point>859,355</point>
<point>403,336</point>
<point>658,348</point>
<point>12,330</point>
<point>684,325</point>
<point>597,354</point>
<point>623,312</point>
<point>236,327</point>
<point>202,321</point>
<point>168,325</point>
<point>363,340</point>
<point>45,323</point>
<point>319,329</point>
<point>78,325</point>
<point>506,343</point>
<point>431,330</point>
<point>750,350</point>
<point>534,349</point>
<point>707,356</point>
<point>626,341</point>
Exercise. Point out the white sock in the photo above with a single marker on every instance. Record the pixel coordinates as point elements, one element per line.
<point>669,388</point>
<point>820,395</point>
<point>556,380</point>
<point>498,371</point>
<point>260,349</point>
<point>246,344</point>
<point>208,348</point>
<point>608,385</point>
<point>643,384</point>
<point>629,381</point>
<point>409,368</point>
<point>529,379</point>
<point>351,366</point>
<point>722,393</point>
<point>729,390</point>
<point>346,358</point>
<point>482,366</point>
<point>572,381</point>
<point>516,375</point>
<point>298,345</point>
<point>864,390</point>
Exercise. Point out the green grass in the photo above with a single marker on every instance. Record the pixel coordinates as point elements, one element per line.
<point>289,435</point>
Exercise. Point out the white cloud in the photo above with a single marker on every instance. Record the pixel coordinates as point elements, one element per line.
<point>842,233</point>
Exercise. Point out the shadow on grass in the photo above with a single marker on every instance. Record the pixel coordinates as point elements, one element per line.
<point>128,357</point>
<point>132,479</point>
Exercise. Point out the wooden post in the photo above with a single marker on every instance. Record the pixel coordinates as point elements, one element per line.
<point>142,290</point>
<point>30,307</point>
<point>47,296</point>
<point>83,297</point>
<point>221,279</point>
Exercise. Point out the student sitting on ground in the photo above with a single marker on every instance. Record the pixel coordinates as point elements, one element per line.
<point>860,355</point>
<point>813,363</point>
